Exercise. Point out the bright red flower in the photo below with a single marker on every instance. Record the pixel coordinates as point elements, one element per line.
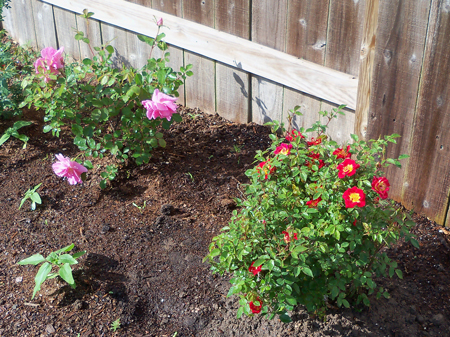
<point>313,203</point>
<point>283,149</point>
<point>354,197</point>
<point>381,186</point>
<point>287,237</point>
<point>354,222</point>
<point>266,168</point>
<point>256,309</point>
<point>294,134</point>
<point>342,154</point>
<point>314,155</point>
<point>347,168</point>
<point>254,270</point>
<point>321,164</point>
<point>314,141</point>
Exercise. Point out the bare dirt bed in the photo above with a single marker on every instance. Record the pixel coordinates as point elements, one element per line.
<point>144,265</point>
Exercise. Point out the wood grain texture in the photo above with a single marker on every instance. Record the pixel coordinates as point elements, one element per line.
<point>267,100</point>
<point>117,38</point>
<point>269,29</point>
<point>20,22</point>
<point>232,85</point>
<point>91,30</point>
<point>8,22</point>
<point>340,128</point>
<point>401,34</point>
<point>306,39</point>
<point>66,26</point>
<point>309,107</point>
<point>44,25</point>
<point>344,35</point>
<point>427,181</point>
<point>366,67</point>
<point>200,89</point>
<point>266,62</point>
<point>173,7</point>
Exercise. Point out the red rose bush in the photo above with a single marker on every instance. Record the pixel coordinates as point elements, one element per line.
<point>312,225</point>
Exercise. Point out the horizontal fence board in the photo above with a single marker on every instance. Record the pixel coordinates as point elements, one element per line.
<point>428,174</point>
<point>274,65</point>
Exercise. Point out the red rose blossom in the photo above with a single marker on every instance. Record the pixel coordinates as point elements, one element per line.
<point>294,134</point>
<point>342,154</point>
<point>381,186</point>
<point>254,270</point>
<point>313,203</point>
<point>283,149</point>
<point>347,168</point>
<point>354,197</point>
<point>256,309</point>
<point>266,168</point>
<point>314,141</point>
<point>287,237</point>
<point>354,222</point>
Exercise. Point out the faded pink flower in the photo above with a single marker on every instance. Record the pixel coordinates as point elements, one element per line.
<point>161,105</point>
<point>159,22</point>
<point>69,169</point>
<point>50,62</point>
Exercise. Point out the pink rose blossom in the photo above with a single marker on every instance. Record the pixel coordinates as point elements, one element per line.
<point>50,62</point>
<point>161,105</point>
<point>69,169</point>
<point>159,22</point>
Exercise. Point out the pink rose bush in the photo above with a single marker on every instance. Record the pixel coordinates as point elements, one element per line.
<point>161,105</point>
<point>69,169</point>
<point>49,64</point>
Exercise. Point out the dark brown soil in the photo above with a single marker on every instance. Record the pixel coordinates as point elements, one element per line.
<point>144,266</point>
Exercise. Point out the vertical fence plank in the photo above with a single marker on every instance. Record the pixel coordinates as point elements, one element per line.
<point>117,38</point>
<point>306,38</point>
<point>44,25</point>
<point>400,44</point>
<point>91,30</point>
<point>344,35</point>
<point>66,25</point>
<point>268,28</point>
<point>19,22</point>
<point>427,180</point>
<point>345,30</point>
<point>173,7</point>
<point>232,85</point>
<point>200,89</point>
<point>366,67</point>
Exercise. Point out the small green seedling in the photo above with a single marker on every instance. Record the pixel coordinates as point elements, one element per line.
<point>115,325</point>
<point>33,196</point>
<point>189,174</point>
<point>58,259</point>
<point>141,208</point>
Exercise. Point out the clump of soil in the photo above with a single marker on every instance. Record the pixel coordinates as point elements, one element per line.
<point>146,236</point>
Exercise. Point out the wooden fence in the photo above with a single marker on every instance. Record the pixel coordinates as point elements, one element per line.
<point>256,59</point>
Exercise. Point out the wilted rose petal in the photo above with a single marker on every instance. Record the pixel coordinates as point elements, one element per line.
<point>69,169</point>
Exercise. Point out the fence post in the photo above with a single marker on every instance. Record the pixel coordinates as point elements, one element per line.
<point>366,67</point>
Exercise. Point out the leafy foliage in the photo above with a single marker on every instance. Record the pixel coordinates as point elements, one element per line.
<point>62,261</point>
<point>33,196</point>
<point>102,104</point>
<point>296,240</point>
